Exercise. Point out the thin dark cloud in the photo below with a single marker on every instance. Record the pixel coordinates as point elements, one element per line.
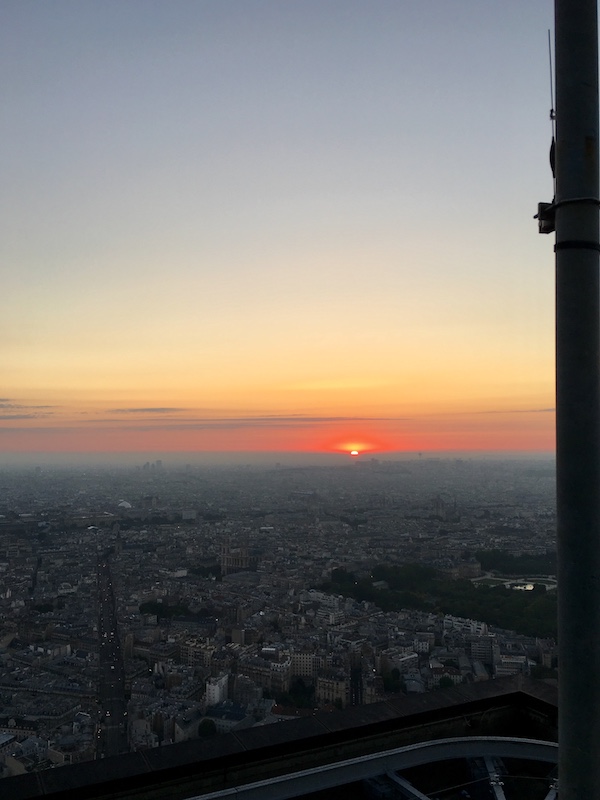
<point>194,423</point>
<point>520,411</point>
<point>7,404</point>
<point>495,411</point>
<point>145,410</point>
<point>236,423</point>
<point>162,424</point>
<point>58,431</point>
<point>19,416</point>
<point>229,423</point>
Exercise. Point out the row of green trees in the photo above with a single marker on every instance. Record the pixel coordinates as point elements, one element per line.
<point>421,588</point>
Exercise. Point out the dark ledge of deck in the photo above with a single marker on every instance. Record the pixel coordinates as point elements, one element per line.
<point>513,706</point>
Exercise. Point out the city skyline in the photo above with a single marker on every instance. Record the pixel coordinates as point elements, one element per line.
<point>256,226</point>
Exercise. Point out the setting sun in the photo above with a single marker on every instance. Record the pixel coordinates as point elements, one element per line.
<point>354,452</point>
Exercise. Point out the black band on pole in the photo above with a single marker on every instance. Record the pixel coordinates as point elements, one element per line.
<point>576,244</point>
<point>569,201</point>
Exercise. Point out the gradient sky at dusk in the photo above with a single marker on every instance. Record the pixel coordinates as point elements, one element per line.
<point>275,225</point>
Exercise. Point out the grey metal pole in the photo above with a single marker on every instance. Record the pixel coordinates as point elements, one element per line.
<point>578,397</point>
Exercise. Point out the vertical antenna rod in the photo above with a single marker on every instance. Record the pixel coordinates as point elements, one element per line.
<point>578,396</point>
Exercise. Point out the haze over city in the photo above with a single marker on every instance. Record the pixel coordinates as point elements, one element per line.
<point>256,226</point>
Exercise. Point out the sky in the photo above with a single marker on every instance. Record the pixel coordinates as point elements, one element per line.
<point>275,225</point>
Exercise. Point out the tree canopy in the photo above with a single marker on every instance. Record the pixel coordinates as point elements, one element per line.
<point>422,588</point>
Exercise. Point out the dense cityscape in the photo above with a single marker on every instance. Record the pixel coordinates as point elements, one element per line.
<point>148,605</point>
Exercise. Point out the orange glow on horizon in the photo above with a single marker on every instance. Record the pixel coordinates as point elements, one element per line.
<point>175,429</point>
